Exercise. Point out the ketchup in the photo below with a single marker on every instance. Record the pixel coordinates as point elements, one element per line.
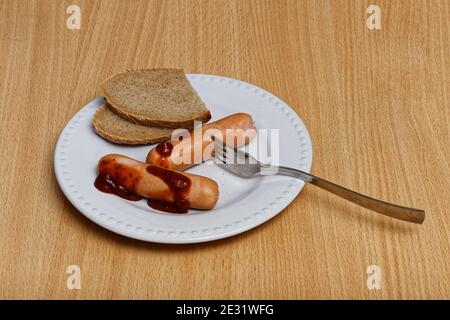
<point>116,179</point>
<point>179,186</point>
<point>164,149</point>
<point>121,180</point>
<point>173,207</point>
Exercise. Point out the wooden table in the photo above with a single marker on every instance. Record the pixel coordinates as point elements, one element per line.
<point>376,103</point>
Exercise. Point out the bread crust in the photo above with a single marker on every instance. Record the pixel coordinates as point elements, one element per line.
<point>120,139</point>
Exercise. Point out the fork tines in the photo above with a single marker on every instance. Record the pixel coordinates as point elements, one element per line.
<point>228,155</point>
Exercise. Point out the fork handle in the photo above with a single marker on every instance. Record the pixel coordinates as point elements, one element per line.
<point>386,208</point>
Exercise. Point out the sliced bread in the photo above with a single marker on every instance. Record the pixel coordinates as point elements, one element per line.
<point>156,97</point>
<point>118,130</point>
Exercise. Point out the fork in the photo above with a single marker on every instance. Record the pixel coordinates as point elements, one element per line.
<point>244,165</point>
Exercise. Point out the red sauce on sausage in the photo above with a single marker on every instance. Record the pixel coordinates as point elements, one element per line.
<point>179,186</point>
<point>117,179</point>
<point>164,149</point>
<point>172,207</point>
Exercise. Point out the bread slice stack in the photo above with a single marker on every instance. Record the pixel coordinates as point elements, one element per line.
<point>145,106</point>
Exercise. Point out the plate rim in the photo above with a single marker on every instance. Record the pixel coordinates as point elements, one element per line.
<point>157,237</point>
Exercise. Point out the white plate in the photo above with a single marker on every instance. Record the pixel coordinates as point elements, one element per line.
<point>243,203</point>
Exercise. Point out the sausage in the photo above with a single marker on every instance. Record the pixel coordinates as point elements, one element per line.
<point>235,130</point>
<point>168,190</point>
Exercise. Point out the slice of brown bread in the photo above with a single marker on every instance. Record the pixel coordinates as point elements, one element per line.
<point>156,97</point>
<point>118,130</point>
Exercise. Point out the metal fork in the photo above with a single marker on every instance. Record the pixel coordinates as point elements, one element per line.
<point>244,165</point>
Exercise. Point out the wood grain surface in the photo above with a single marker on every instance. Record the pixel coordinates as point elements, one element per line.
<point>376,103</point>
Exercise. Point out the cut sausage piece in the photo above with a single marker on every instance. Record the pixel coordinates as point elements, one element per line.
<point>235,130</point>
<point>168,190</point>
